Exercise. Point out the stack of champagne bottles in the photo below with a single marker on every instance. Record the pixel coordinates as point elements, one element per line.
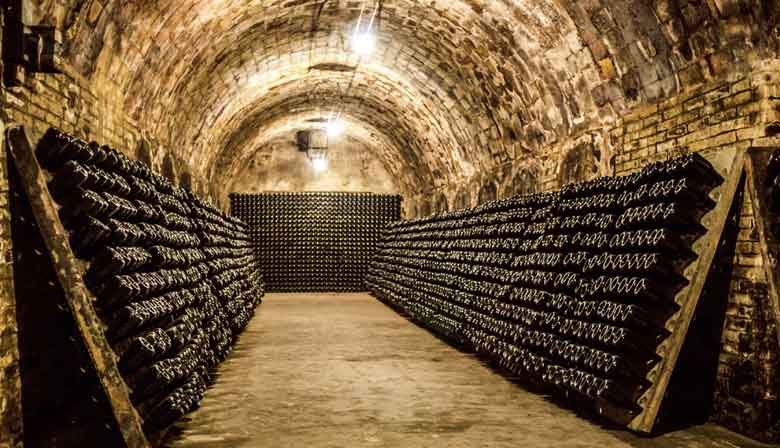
<point>570,290</point>
<point>175,280</point>
<point>315,241</point>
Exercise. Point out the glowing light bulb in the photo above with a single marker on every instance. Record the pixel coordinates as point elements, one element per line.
<point>335,127</point>
<point>363,43</point>
<point>319,165</point>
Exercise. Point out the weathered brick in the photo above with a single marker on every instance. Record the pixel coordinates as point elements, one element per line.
<point>738,99</point>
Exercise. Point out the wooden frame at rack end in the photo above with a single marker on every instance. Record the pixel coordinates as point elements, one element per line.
<point>69,273</point>
<point>755,171</point>
<point>730,164</point>
<point>11,421</point>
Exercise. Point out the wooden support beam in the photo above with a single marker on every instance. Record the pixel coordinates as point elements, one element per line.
<point>69,273</point>
<point>730,165</point>
<point>11,426</point>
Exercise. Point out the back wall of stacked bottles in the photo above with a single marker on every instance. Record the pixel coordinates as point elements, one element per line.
<point>315,241</point>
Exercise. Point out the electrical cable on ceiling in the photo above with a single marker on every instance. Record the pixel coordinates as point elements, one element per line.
<point>315,24</point>
<point>335,127</point>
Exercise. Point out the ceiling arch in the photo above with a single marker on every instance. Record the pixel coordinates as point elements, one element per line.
<point>306,119</point>
<point>433,59</point>
<point>281,134</point>
<point>430,144</point>
<point>455,87</point>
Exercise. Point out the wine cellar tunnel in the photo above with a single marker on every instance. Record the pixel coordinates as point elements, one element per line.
<point>390,223</point>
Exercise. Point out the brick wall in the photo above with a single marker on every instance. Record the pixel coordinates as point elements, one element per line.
<point>746,393</point>
<point>733,113</point>
<point>90,109</point>
<point>720,116</point>
<point>732,110</point>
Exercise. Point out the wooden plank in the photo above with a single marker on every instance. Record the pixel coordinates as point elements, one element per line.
<point>755,171</point>
<point>69,274</point>
<point>11,422</point>
<point>730,164</point>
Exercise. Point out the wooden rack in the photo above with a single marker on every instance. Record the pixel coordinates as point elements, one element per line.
<point>730,164</point>
<point>69,274</point>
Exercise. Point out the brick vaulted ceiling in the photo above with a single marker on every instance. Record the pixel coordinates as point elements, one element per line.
<point>454,88</point>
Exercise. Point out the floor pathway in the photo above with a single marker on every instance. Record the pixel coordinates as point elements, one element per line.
<point>343,370</point>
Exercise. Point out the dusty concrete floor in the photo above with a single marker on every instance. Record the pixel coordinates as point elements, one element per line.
<point>343,370</point>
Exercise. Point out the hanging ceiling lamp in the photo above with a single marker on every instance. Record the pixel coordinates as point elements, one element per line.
<point>319,164</point>
<point>363,38</point>
<point>335,127</point>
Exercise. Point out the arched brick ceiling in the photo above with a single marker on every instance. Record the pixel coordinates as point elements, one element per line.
<point>416,140</point>
<point>286,126</point>
<point>455,86</point>
<point>253,162</point>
